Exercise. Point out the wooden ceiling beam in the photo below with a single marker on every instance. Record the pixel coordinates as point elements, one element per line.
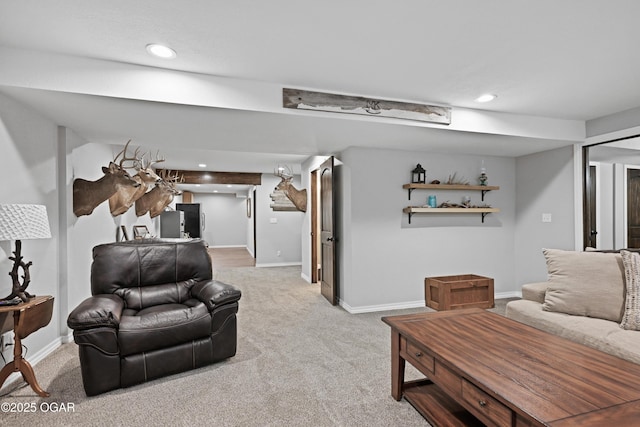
<point>206,177</point>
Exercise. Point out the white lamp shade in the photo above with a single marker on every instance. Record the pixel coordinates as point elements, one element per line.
<point>19,222</point>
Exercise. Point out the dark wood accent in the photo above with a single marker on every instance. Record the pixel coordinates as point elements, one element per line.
<point>314,227</point>
<point>329,277</point>
<point>206,177</point>
<point>28,317</point>
<point>633,208</point>
<point>587,200</point>
<point>187,197</point>
<point>507,373</point>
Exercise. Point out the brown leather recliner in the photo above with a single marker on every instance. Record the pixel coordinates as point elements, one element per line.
<point>155,311</point>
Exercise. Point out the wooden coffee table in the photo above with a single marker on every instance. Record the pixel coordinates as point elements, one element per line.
<point>483,368</point>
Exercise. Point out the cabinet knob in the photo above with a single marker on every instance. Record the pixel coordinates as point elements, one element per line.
<point>418,354</point>
<point>482,403</point>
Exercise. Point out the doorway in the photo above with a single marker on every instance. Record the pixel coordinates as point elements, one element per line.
<point>323,231</point>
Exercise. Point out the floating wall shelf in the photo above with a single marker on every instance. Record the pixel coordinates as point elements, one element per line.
<point>410,210</point>
<point>482,188</point>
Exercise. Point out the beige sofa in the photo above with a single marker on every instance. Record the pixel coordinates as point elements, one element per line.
<point>585,300</point>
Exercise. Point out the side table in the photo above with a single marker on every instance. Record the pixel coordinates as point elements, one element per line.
<point>28,317</point>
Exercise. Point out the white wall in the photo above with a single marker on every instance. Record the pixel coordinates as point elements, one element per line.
<point>384,260</point>
<point>284,235</point>
<point>545,184</point>
<point>28,143</point>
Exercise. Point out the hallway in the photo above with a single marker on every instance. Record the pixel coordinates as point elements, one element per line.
<point>223,258</point>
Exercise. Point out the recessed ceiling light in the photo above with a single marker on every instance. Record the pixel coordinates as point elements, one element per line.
<point>197,185</point>
<point>215,191</point>
<point>487,97</point>
<point>161,51</point>
<point>202,165</point>
<point>229,186</point>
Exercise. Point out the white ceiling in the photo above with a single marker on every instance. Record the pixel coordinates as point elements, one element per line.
<point>571,60</point>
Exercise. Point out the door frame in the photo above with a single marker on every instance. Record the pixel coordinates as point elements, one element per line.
<point>315,232</point>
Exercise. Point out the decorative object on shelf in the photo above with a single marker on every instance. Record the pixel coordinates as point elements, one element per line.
<point>454,180</point>
<point>418,175</point>
<point>297,197</point>
<point>466,201</point>
<point>124,236</point>
<point>20,222</point>
<point>336,103</point>
<point>435,182</point>
<point>140,232</point>
<point>447,207</point>
<point>431,201</point>
<point>483,178</point>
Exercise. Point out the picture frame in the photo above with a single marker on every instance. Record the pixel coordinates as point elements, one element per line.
<point>140,231</point>
<point>124,236</point>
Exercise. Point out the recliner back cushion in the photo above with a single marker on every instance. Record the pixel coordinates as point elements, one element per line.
<point>151,272</point>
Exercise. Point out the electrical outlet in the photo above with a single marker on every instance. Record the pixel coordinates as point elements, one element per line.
<point>278,253</point>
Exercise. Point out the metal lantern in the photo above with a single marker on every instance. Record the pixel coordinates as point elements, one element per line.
<point>418,175</point>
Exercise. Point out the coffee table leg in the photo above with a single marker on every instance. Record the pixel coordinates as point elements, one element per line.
<point>397,366</point>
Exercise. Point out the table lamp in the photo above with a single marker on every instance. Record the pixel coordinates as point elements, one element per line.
<point>20,222</point>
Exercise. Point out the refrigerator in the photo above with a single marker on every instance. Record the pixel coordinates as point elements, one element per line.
<point>193,219</point>
<point>172,224</point>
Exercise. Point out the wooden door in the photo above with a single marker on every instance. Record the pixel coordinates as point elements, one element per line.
<point>328,281</point>
<point>633,208</point>
<point>315,232</point>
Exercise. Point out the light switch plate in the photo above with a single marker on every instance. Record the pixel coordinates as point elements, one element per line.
<point>546,217</point>
<point>273,220</point>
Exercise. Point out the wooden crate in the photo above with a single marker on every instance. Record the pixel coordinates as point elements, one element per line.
<point>456,292</point>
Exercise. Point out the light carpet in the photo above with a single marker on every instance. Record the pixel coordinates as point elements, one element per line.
<point>300,362</point>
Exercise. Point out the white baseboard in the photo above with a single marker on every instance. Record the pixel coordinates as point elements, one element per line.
<point>502,295</point>
<point>228,246</point>
<point>305,277</point>
<point>33,360</point>
<point>409,304</point>
<point>278,264</point>
<point>381,307</point>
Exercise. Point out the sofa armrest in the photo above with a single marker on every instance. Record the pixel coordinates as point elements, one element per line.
<point>97,311</point>
<point>535,291</point>
<point>214,293</point>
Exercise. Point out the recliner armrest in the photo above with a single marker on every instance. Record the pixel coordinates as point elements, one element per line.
<point>97,311</point>
<point>213,293</point>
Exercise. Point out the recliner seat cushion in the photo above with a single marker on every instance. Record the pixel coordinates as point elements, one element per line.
<point>163,326</point>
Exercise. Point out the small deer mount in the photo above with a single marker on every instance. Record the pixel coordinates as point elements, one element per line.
<point>297,197</point>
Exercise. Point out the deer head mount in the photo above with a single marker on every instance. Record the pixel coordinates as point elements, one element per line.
<point>160,196</point>
<point>87,195</point>
<point>297,197</point>
<point>122,200</point>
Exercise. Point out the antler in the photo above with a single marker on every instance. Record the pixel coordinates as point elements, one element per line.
<point>136,159</point>
<point>157,160</point>
<point>280,172</point>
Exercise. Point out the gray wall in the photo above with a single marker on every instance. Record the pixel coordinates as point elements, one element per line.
<point>225,219</point>
<point>545,184</point>
<point>28,143</point>
<point>384,260</point>
<point>284,235</point>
